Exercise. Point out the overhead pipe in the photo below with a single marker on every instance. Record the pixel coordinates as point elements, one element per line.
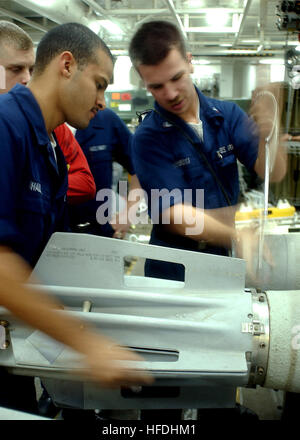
<point>107,14</point>
<point>60,11</point>
<point>174,14</point>
<point>161,11</point>
<point>23,20</point>
<point>242,24</point>
<point>263,10</point>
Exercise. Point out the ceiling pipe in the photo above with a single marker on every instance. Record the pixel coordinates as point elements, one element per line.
<point>142,21</point>
<point>162,11</point>
<point>59,11</point>
<point>199,50</point>
<point>127,11</point>
<point>17,17</point>
<point>222,51</point>
<point>106,14</point>
<point>242,24</point>
<point>263,11</point>
<point>174,14</point>
<point>242,43</point>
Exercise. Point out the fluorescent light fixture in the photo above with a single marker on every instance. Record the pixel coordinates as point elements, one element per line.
<point>119,52</point>
<point>45,3</point>
<point>111,27</point>
<point>226,45</point>
<point>277,61</point>
<point>200,62</point>
<point>217,18</point>
<point>95,26</point>
<point>250,41</point>
<point>211,29</point>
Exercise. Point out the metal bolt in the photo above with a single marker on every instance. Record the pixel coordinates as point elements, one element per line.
<point>87,305</point>
<point>262,345</point>
<point>260,371</point>
<point>4,323</point>
<point>250,316</point>
<point>261,298</point>
<point>248,356</point>
<point>5,345</point>
<point>256,328</point>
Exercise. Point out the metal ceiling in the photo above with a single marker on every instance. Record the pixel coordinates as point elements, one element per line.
<point>250,29</point>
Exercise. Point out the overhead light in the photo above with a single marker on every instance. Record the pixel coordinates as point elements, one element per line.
<point>217,18</point>
<point>119,52</point>
<point>45,3</point>
<point>212,29</point>
<point>250,41</point>
<point>111,27</point>
<point>226,45</point>
<point>277,61</point>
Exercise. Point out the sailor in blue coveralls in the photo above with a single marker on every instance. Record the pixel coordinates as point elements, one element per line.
<point>33,193</point>
<point>33,183</point>
<point>188,142</point>
<point>105,140</point>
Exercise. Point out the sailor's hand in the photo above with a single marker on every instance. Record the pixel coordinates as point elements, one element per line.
<point>289,137</point>
<point>120,225</point>
<point>266,107</point>
<point>104,367</point>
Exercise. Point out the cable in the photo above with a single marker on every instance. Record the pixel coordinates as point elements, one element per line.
<point>270,157</point>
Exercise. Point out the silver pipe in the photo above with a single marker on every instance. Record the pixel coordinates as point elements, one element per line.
<point>245,13</point>
<point>23,20</point>
<point>171,7</point>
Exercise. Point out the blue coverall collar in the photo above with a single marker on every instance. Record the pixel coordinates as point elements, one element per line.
<point>207,110</point>
<point>32,111</point>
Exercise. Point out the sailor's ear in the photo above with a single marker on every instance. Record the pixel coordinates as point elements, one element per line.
<point>189,57</point>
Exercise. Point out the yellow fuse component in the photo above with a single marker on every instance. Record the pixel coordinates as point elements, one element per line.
<point>272,213</point>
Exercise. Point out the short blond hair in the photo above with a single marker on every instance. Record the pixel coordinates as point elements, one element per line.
<point>13,35</point>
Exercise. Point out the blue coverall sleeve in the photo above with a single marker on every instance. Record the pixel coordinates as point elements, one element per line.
<point>244,135</point>
<point>11,160</point>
